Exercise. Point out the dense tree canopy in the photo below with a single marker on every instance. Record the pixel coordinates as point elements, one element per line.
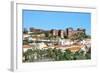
<point>49,54</point>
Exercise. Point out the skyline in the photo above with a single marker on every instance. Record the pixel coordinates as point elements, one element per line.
<point>48,20</point>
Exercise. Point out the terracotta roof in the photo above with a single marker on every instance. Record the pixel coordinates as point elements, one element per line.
<point>27,46</point>
<point>74,48</point>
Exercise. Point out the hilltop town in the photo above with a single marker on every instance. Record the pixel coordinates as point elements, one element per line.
<point>68,39</point>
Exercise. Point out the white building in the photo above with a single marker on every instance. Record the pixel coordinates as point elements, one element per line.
<point>65,42</point>
<point>26,35</point>
<point>39,45</point>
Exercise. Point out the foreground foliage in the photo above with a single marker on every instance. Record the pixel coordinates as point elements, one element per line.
<point>39,55</point>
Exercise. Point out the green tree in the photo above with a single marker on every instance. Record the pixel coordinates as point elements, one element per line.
<point>25,31</point>
<point>79,56</point>
<point>25,42</point>
<point>78,36</point>
<point>31,29</point>
<point>28,55</point>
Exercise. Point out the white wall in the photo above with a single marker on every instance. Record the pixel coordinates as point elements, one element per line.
<point>5,36</point>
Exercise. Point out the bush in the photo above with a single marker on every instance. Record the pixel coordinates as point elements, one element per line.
<point>35,55</point>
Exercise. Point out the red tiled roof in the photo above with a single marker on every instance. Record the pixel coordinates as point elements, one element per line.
<point>27,46</point>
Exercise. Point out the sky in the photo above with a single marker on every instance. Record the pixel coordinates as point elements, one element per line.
<point>48,20</point>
